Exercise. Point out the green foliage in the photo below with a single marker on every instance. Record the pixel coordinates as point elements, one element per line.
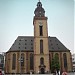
<point>55,63</point>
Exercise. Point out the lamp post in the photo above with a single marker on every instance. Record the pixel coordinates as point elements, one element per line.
<point>20,59</point>
<point>20,62</point>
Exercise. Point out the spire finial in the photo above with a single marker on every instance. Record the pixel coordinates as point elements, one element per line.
<point>39,0</point>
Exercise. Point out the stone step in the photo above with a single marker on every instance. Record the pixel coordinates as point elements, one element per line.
<point>29,74</point>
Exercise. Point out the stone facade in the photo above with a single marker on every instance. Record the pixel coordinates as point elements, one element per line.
<point>35,53</point>
<point>26,67</point>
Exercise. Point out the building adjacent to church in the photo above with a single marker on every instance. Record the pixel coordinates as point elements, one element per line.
<point>1,62</point>
<point>73,61</point>
<point>36,52</point>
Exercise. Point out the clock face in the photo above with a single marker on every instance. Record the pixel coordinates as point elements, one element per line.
<point>40,23</point>
<point>40,12</point>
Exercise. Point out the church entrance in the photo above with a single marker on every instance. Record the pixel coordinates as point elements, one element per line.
<point>42,70</point>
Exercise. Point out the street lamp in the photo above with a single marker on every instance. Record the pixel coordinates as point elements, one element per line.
<point>20,59</point>
<point>20,62</point>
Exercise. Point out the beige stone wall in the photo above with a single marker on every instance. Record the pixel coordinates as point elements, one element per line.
<point>37,39</point>
<point>61,60</point>
<point>29,61</point>
<point>8,66</point>
<point>36,28</point>
<point>69,67</point>
<point>8,62</point>
<point>37,45</point>
<point>69,61</point>
<point>37,62</point>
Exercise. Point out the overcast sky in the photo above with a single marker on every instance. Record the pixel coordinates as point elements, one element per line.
<point>16,19</point>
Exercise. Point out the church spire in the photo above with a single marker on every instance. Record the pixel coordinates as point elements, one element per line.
<point>39,11</point>
<point>39,4</point>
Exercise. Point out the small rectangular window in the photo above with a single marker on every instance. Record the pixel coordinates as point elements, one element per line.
<point>25,40</point>
<point>25,47</point>
<point>31,47</point>
<point>31,40</point>
<point>31,43</point>
<point>19,43</point>
<point>19,47</point>
<point>25,43</point>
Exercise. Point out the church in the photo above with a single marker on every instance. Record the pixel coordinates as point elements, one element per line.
<point>35,53</point>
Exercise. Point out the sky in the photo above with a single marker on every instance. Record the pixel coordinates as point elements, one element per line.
<point>16,19</point>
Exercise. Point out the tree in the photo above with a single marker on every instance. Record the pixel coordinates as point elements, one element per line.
<point>55,66</point>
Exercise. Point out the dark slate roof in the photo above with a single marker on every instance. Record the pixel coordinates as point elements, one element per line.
<point>56,45</point>
<point>25,43</point>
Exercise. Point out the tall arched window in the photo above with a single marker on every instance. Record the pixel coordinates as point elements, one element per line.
<point>22,59</point>
<point>65,60</point>
<point>57,56</point>
<point>42,61</point>
<point>14,61</point>
<point>41,46</point>
<point>31,61</point>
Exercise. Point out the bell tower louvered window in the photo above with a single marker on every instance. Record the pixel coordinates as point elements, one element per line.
<point>41,30</point>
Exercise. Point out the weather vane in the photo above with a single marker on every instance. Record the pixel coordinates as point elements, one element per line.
<point>39,0</point>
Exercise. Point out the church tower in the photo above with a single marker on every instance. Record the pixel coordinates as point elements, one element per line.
<point>41,49</point>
